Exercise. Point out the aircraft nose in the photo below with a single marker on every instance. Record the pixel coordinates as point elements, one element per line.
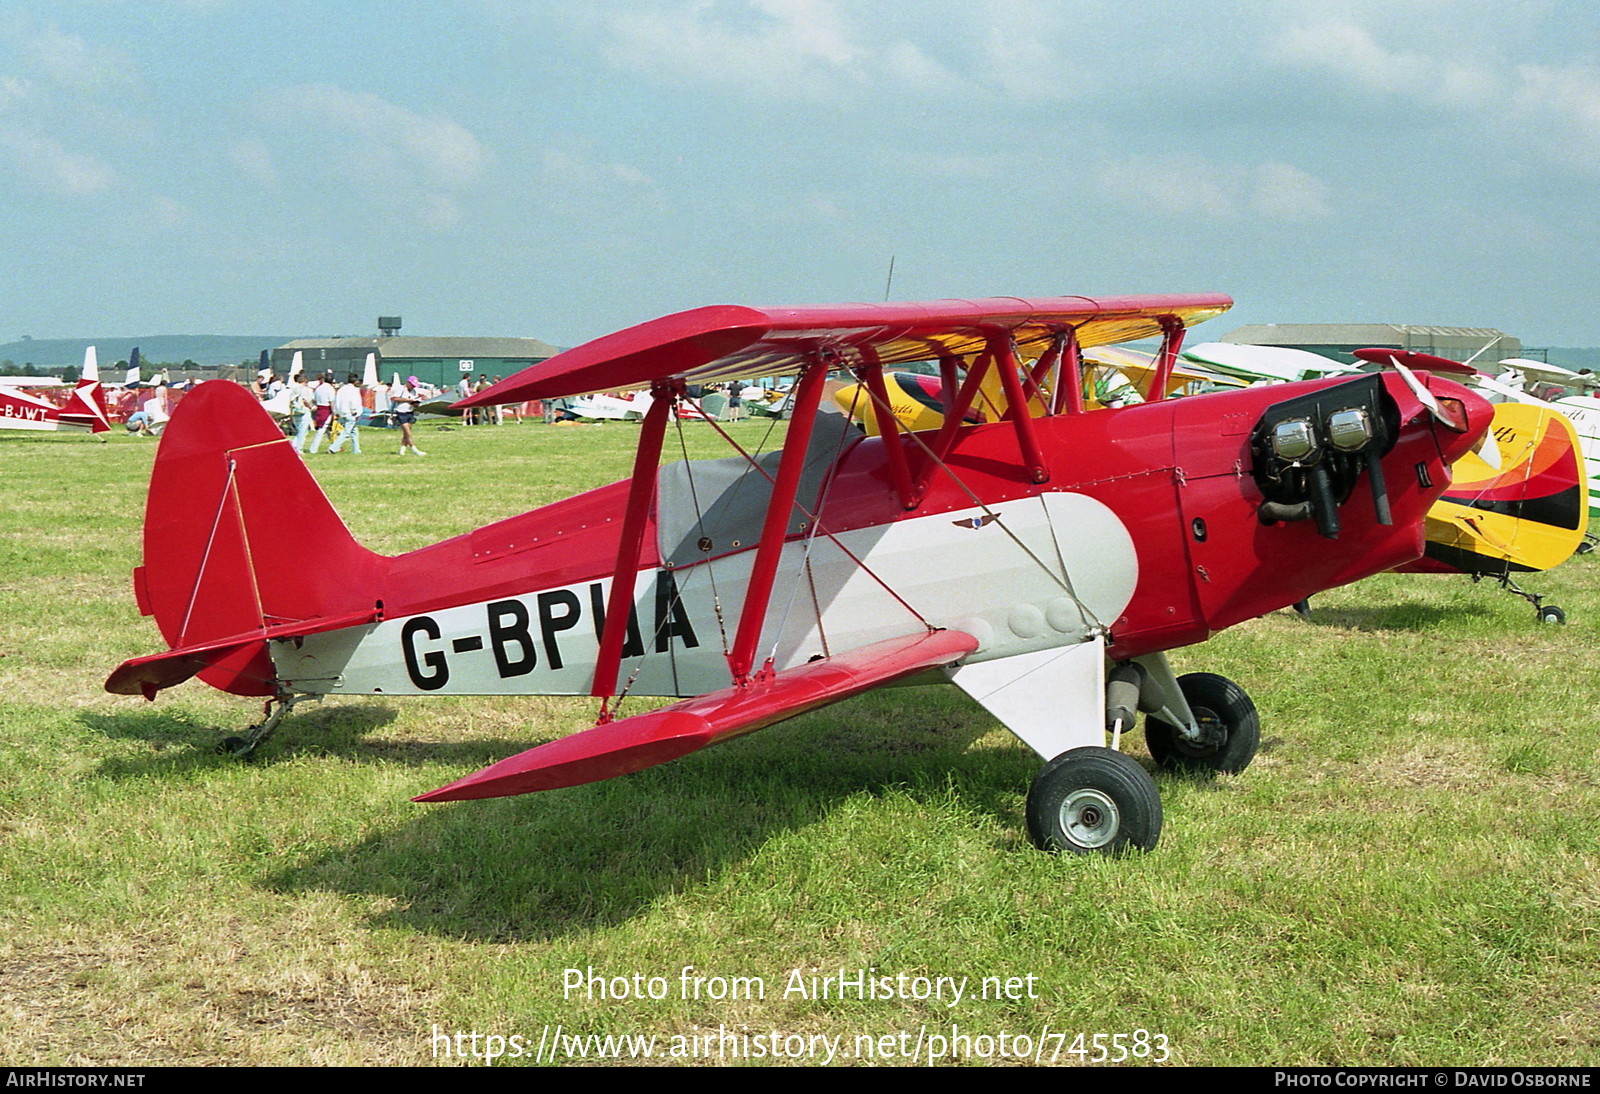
<point>1474,409</point>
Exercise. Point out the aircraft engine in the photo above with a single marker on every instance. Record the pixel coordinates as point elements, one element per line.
<point>1308,452</point>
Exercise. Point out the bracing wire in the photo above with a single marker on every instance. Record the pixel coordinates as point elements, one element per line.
<point>1063,579</point>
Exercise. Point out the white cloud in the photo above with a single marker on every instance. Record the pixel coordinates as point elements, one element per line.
<point>785,49</point>
<point>440,211</point>
<point>1552,109</point>
<point>1023,63</point>
<point>1169,187</point>
<point>47,160</point>
<point>70,61</point>
<point>13,89</point>
<point>790,48</point>
<point>415,161</point>
<point>1197,188</point>
<point>1561,106</point>
<point>568,169</point>
<point>1281,192</point>
<point>61,94</point>
<point>441,151</point>
<point>254,158</point>
<point>1352,52</point>
<point>166,213</point>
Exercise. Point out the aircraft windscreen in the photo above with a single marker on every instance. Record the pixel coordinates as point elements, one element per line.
<point>706,508</point>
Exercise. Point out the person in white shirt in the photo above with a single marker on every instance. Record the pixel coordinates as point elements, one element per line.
<point>405,413</point>
<point>347,407</point>
<point>301,402</point>
<point>322,416</point>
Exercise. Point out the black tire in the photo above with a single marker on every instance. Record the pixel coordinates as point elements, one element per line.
<point>1549,613</point>
<point>231,746</point>
<point>1093,801</point>
<point>1227,715</point>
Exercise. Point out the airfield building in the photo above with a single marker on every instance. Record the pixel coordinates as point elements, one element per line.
<point>438,361</point>
<point>1337,340</point>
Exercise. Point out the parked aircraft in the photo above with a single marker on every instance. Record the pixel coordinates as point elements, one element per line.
<point>1042,565</point>
<point>84,410</point>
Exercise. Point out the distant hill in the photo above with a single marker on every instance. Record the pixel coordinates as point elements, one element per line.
<point>202,349</point>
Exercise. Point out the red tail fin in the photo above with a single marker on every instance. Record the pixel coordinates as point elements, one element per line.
<point>240,540</point>
<point>86,406</point>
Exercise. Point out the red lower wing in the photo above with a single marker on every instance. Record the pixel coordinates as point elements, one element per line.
<point>654,737</point>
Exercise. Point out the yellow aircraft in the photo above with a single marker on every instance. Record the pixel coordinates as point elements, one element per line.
<point>1527,514</point>
<point>1112,376</point>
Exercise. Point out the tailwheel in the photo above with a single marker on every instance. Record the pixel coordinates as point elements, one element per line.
<point>1542,612</point>
<point>1093,800</point>
<point>1226,734</point>
<point>274,710</point>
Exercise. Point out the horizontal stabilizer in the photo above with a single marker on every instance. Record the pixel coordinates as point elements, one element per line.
<point>644,740</point>
<point>148,675</point>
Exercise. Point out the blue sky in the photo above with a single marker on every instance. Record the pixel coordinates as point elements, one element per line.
<point>559,170</point>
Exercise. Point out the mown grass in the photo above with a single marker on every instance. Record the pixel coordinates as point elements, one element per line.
<point>1406,875</point>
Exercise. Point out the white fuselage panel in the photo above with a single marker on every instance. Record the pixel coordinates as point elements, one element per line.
<point>1021,576</point>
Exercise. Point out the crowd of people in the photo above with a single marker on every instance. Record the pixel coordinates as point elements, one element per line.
<point>319,407</point>
<point>321,412</point>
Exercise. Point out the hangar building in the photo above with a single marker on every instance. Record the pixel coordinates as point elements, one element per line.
<point>1336,340</point>
<point>437,361</point>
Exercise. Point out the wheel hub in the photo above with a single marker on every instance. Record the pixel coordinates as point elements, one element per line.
<point>1090,819</point>
<point>1213,734</point>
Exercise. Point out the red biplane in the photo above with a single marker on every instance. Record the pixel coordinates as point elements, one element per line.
<point>1042,562</point>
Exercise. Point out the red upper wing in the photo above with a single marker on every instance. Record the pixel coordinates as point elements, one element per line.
<point>729,341</point>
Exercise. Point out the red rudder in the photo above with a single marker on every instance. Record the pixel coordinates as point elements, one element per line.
<point>239,538</point>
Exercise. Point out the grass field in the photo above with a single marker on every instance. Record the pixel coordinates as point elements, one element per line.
<point>1408,874</point>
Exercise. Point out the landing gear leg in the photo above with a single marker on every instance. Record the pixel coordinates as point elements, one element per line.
<point>1542,612</point>
<point>273,711</point>
<point>1225,734</point>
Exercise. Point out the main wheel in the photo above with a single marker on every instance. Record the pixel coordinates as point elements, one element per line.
<point>1092,800</point>
<point>1228,724</point>
<point>1549,613</point>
